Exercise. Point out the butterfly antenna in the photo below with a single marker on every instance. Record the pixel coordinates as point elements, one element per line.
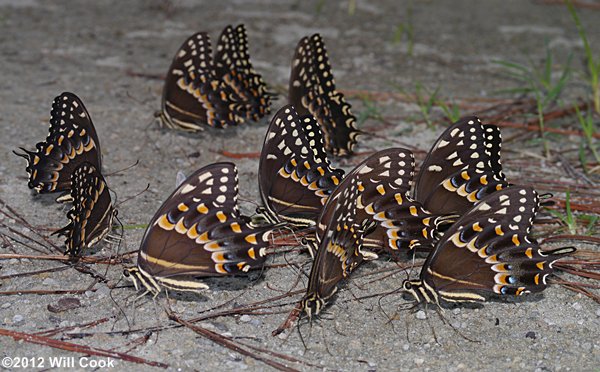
<point>454,328</point>
<point>300,333</point>
<point>120,309</point>
<point>131,197</point>
<point>137,162</point>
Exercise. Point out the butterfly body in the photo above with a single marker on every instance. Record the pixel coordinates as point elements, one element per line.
<point>92,214</point>
<point>71,141</point>
<point>462,167</point>
<point>199,232</point>
<point>488,251</point>
<point>233,66</point>
<point>193,95</point>
<point>312,91</point>
<point>295,176</point>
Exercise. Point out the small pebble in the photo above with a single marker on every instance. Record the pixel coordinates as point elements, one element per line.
<point>6,305</point>
<point>49,282</point>
<point>598,313</point>
<point>577,306</point>
<point>531,335</point>
<point>405,347</point>
<point>456,311</point>
<point>419,361</point>
<point>245,318</point>
<point>421,315</point>
<point>17,319</point>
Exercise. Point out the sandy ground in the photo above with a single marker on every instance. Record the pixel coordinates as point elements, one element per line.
<point>92,48</point>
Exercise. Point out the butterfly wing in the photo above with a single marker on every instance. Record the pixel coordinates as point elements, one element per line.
<point>198,231</point>
<point>339,250</point>
<point>295,177</point>
<point>71,141</point>
<point>312,91</point>
<point>92,213</point>
<point>193,95</point>
<point>490,250</point>
<point>233,66</point>
<point>385,179</point>
<point>460,168</point>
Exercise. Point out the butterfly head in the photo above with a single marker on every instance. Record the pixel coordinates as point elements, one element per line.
<point>312,305</point>
<point>141,280</point>
<point>417,290</point>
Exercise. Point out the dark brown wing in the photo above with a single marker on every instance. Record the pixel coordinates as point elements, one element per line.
<point>385,179</point>
<point>295,177</point>
<point>490,250</point>
<point>198,231</point>
<point>92,213</point>
<point>339,251</point>
<point>312,91</point>
<point>233,66</point>
<point>72,140</point>
<point>460,169</point>
<point>193,95</point>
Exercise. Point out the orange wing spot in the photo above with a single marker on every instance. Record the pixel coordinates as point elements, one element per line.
<point>321,171</point>
<point>180,227</point>
<point>515,240</point>
<point>483,180</point>
<point>60,140</point>
<point>212,246</point>
<point>529,252</point>
<point>71,133</point>
<point>393,244</point>
<point>182,207</point>
<point>251,239</point>
<point>294,162</point>
<point>164,223</point>
<point>465,175</point>
<point>536,279</point>
<point>235,227</point>
<point>413,210</point>
<point>425,234</point>
<point>381,189</point>
<point>221,216</point>
<point>49,149</point>
<point>36,160</point>
<point>498,187</point>
<point>241,266</point>
<point>218,257</point>
<point>192,233</point>
<point>306,165</point>
<point>426,221</point>
<point>336,181</point>
<point>201,208</point>
<point>519,291</point>
<point>202,238</point>
<point>499,230</point>
<point>219,268</point>
<point>399,199</point>
<point>476,227</point>
<point>540,265</point>
<point>251,253</point>
<point>361,188</point>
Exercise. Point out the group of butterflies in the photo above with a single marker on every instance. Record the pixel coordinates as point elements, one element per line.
<point>474,225</point>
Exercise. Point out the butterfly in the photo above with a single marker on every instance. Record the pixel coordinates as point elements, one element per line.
<point>339,251</point>
<point>199,232</point>
<point>193,95</point>
<point>295,176</point>
<point>489,250</point>
<point>462,167</point>
<point>91,216</point>
<point>386,179</point>
<point>312,91</point>
<point>71,141</point>
<point>233,66</point>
